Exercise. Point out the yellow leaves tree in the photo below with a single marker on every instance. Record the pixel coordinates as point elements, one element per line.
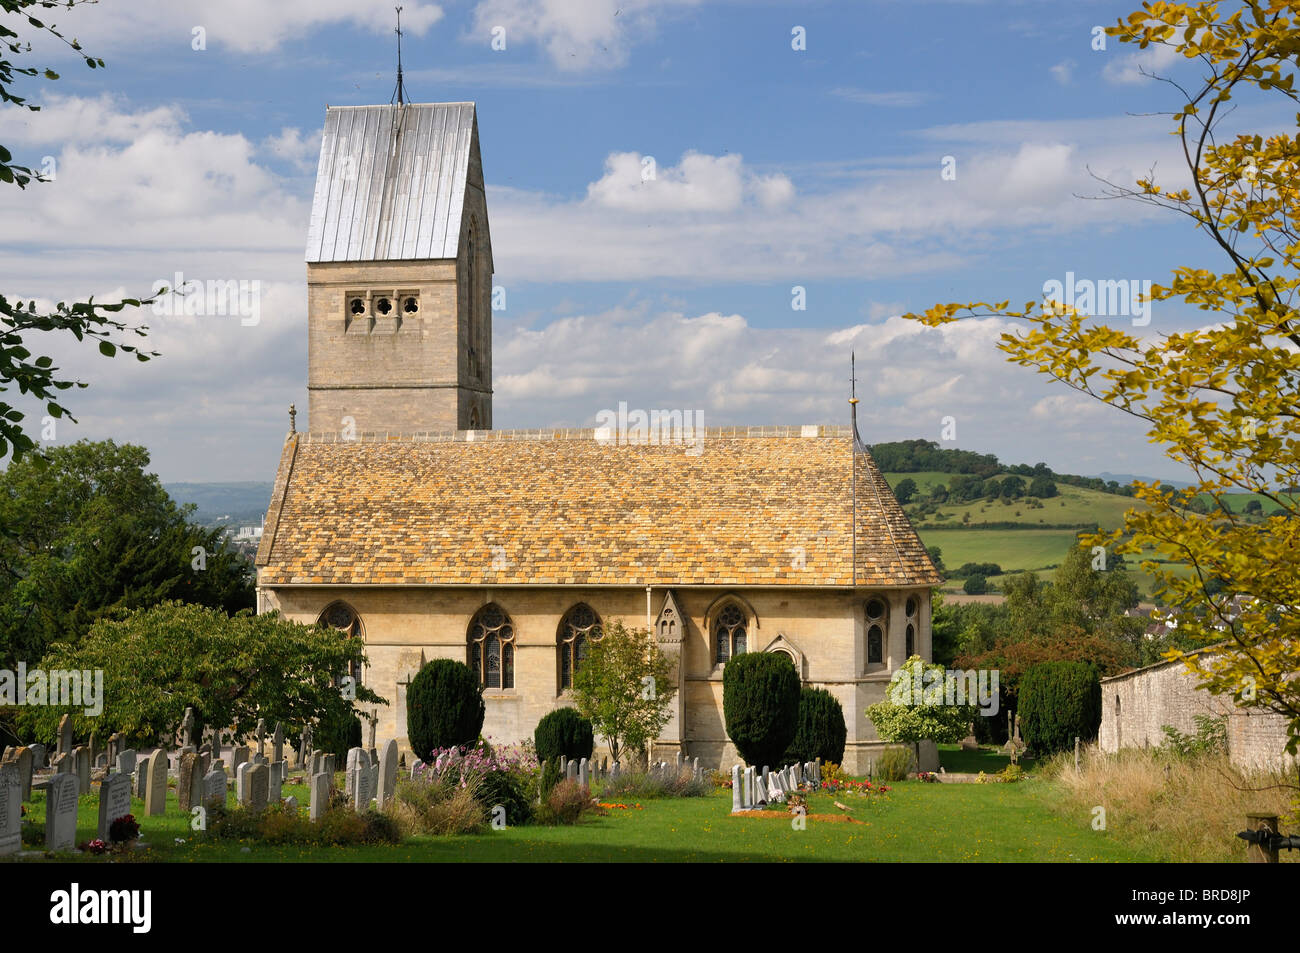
<point>1222,400</point>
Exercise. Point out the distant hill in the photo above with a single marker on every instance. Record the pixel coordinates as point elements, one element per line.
<point>224,504</point>
<point>1130,477</point>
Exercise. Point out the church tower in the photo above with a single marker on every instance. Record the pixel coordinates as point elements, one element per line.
<point>399,273</point>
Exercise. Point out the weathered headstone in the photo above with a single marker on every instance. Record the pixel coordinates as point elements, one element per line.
<point>277,743</point>
<point>320,796</point>
<point>257,787</point>
<point>760,792</point>
<point>61,812</point>
<point>260,734</point>
<point>114,747</point>
<point>736,804</point>
<point>275,779</point>
<point>583,780</point>
<point>81,760</point>
<point>141,778</point>
<point>387,773</point>
<point>21,759</point>
<point>38,756</point>
<point>291,805</point>
<point>114,801</point>
<point>238,756</point>
<point>65,735</point>
<point>155,794</point>
<point>214,787</point>
<point>571,771</point>
<point>241,782</point>
<point>362,789</point>
<point>189,779</point>
<point>187,728</point>
<point>11,809</point>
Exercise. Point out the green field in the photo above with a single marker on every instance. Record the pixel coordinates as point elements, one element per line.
<point>1014,550</point>
<point>913,822</point>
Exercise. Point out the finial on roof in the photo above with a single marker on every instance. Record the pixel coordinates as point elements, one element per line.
<point>293,418</point>
<point>399,94</point>
<point>858,445</point>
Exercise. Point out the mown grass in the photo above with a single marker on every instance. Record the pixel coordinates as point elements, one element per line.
<point>914,822</point>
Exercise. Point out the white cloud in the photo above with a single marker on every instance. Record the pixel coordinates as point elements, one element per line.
<point>900,99</point>
<point>1063,72</point>
<point>303,152</point>
<point>245,26</point>
<point>575,34</point>
<point>1130,67</point>
<point>698,183</point>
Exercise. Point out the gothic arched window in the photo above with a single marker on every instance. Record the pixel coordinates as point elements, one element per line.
<point>730,632</point>
<point>492,647</point>
<point>911,607</point>
<point>580,625</point>
<point>343,617</point>
<point>877,625</point>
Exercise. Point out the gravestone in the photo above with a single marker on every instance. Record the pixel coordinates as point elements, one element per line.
<point>760,792</point>
<point>767,777</point>
<point>65,735</point>
<point>736,804</point>
<point>141,778</point>
<point>304,749</point>
<point>114,747</point>
<point>257,787</point>
<point>387,773</point>
<point>126,762</point>
<point>38,756</point>
<point>155,793</point>
<point>61,813</point>
<point>260,734</point>
<point>275,779</point>
<point>277,743</point>
<point>214,787</point>
<point>362,789</point>
<point>11,809</point>
<point>241,782</point>
<point>114,801</point>
<point>93,748</point>
<point>615,769</point>
<point>187,728</point>
<point>81,758</point>
<point>291,805</point>
<point>205,760</point>
<point>63,764</point>
<point>189,778</point>
<point>238,757</point>
<point>320,796</point>
<point>21,759</point>
<point>583,780</point>
<point>571,771</point>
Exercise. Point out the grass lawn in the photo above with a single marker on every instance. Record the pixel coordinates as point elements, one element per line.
<point>1012,549</point>
<point>914,822</point>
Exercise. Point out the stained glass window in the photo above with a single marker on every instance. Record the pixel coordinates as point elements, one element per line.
<point>580,624</point>
<point>492,648</point>
<point>730,632</point>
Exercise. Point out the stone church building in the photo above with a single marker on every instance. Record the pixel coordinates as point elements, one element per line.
<point>401,516</point>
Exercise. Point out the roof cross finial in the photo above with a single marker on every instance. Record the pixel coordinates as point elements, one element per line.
<point>853,380</point>
<point>399,93</point>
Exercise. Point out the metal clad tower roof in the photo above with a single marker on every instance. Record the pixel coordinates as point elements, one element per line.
<point>391,182</point>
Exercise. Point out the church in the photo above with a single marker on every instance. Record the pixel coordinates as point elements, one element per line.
<point>401,515</point>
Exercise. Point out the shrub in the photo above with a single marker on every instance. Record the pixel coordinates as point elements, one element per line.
<point>760,700</point>
<point>338,732</point>
<point>1210,737</point>
<point>435,807</point>
<point>566,803</point>
<point>821,731</point>
<point>895,764</point>
<point>647,786</point>
<point>1056,702</point>
<point>549,777</point>
<point>975,585</point>
<point>444,707</point>
<point>564,732</point>
<point>510,790</point>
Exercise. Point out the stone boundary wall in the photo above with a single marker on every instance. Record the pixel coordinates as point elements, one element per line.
<point>1136,704</point>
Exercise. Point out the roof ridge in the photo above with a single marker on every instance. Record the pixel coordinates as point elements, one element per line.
<point>598,434</point>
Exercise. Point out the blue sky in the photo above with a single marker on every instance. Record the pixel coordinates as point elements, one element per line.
<point>776,168</point>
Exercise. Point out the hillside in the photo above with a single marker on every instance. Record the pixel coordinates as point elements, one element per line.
<point>224,504</point>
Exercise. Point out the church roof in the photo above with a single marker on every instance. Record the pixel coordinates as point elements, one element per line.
<point>756,506</point>
<point>391,182</point>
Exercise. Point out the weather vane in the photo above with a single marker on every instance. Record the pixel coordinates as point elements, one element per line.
<point>400,93</point>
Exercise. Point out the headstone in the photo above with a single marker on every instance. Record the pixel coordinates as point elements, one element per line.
<point>205,760</point>
<point>21,759</point>
<point>362,789</point>
<point>241,782</point>
<point>760,792</point>
<point>571,771</point>
<point>214,787</point>
<point>81,758</point>
<point>114,747</point>
<point>277,743</point>
<point>767,777</point>
<point>331,764</point>
<point>304,749</point>
<point>749,787</point>
<point>114,801</point>
<point>564,766</point>
<point>677,756</point>
<point>320,795</point>
<point>126,762</point>
<point>238,756</point>
<point>61,812</point>
<point>583,780</point>
<point>189,778</point>
<point>141,778</point>
<point>187,728</point>
<point>260,734</point>
<point>38,756</point>
<point>291,805</point>
<point>64,764</point>
<point>65,735</point>
<point>155,794</point>
<point>11,809</point>
<point>387,773</point>
<point>275,778</point>
<point>736,802</point>
<point>93,747</point>
<point>615,769</point>
<point>257,787</point>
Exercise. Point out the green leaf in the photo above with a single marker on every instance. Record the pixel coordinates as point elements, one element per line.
<point>107,349</point>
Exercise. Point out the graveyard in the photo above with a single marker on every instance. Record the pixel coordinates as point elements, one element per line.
<point>793,814</point>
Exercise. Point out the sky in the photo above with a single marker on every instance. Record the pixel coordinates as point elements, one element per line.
<point>861,159</point>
